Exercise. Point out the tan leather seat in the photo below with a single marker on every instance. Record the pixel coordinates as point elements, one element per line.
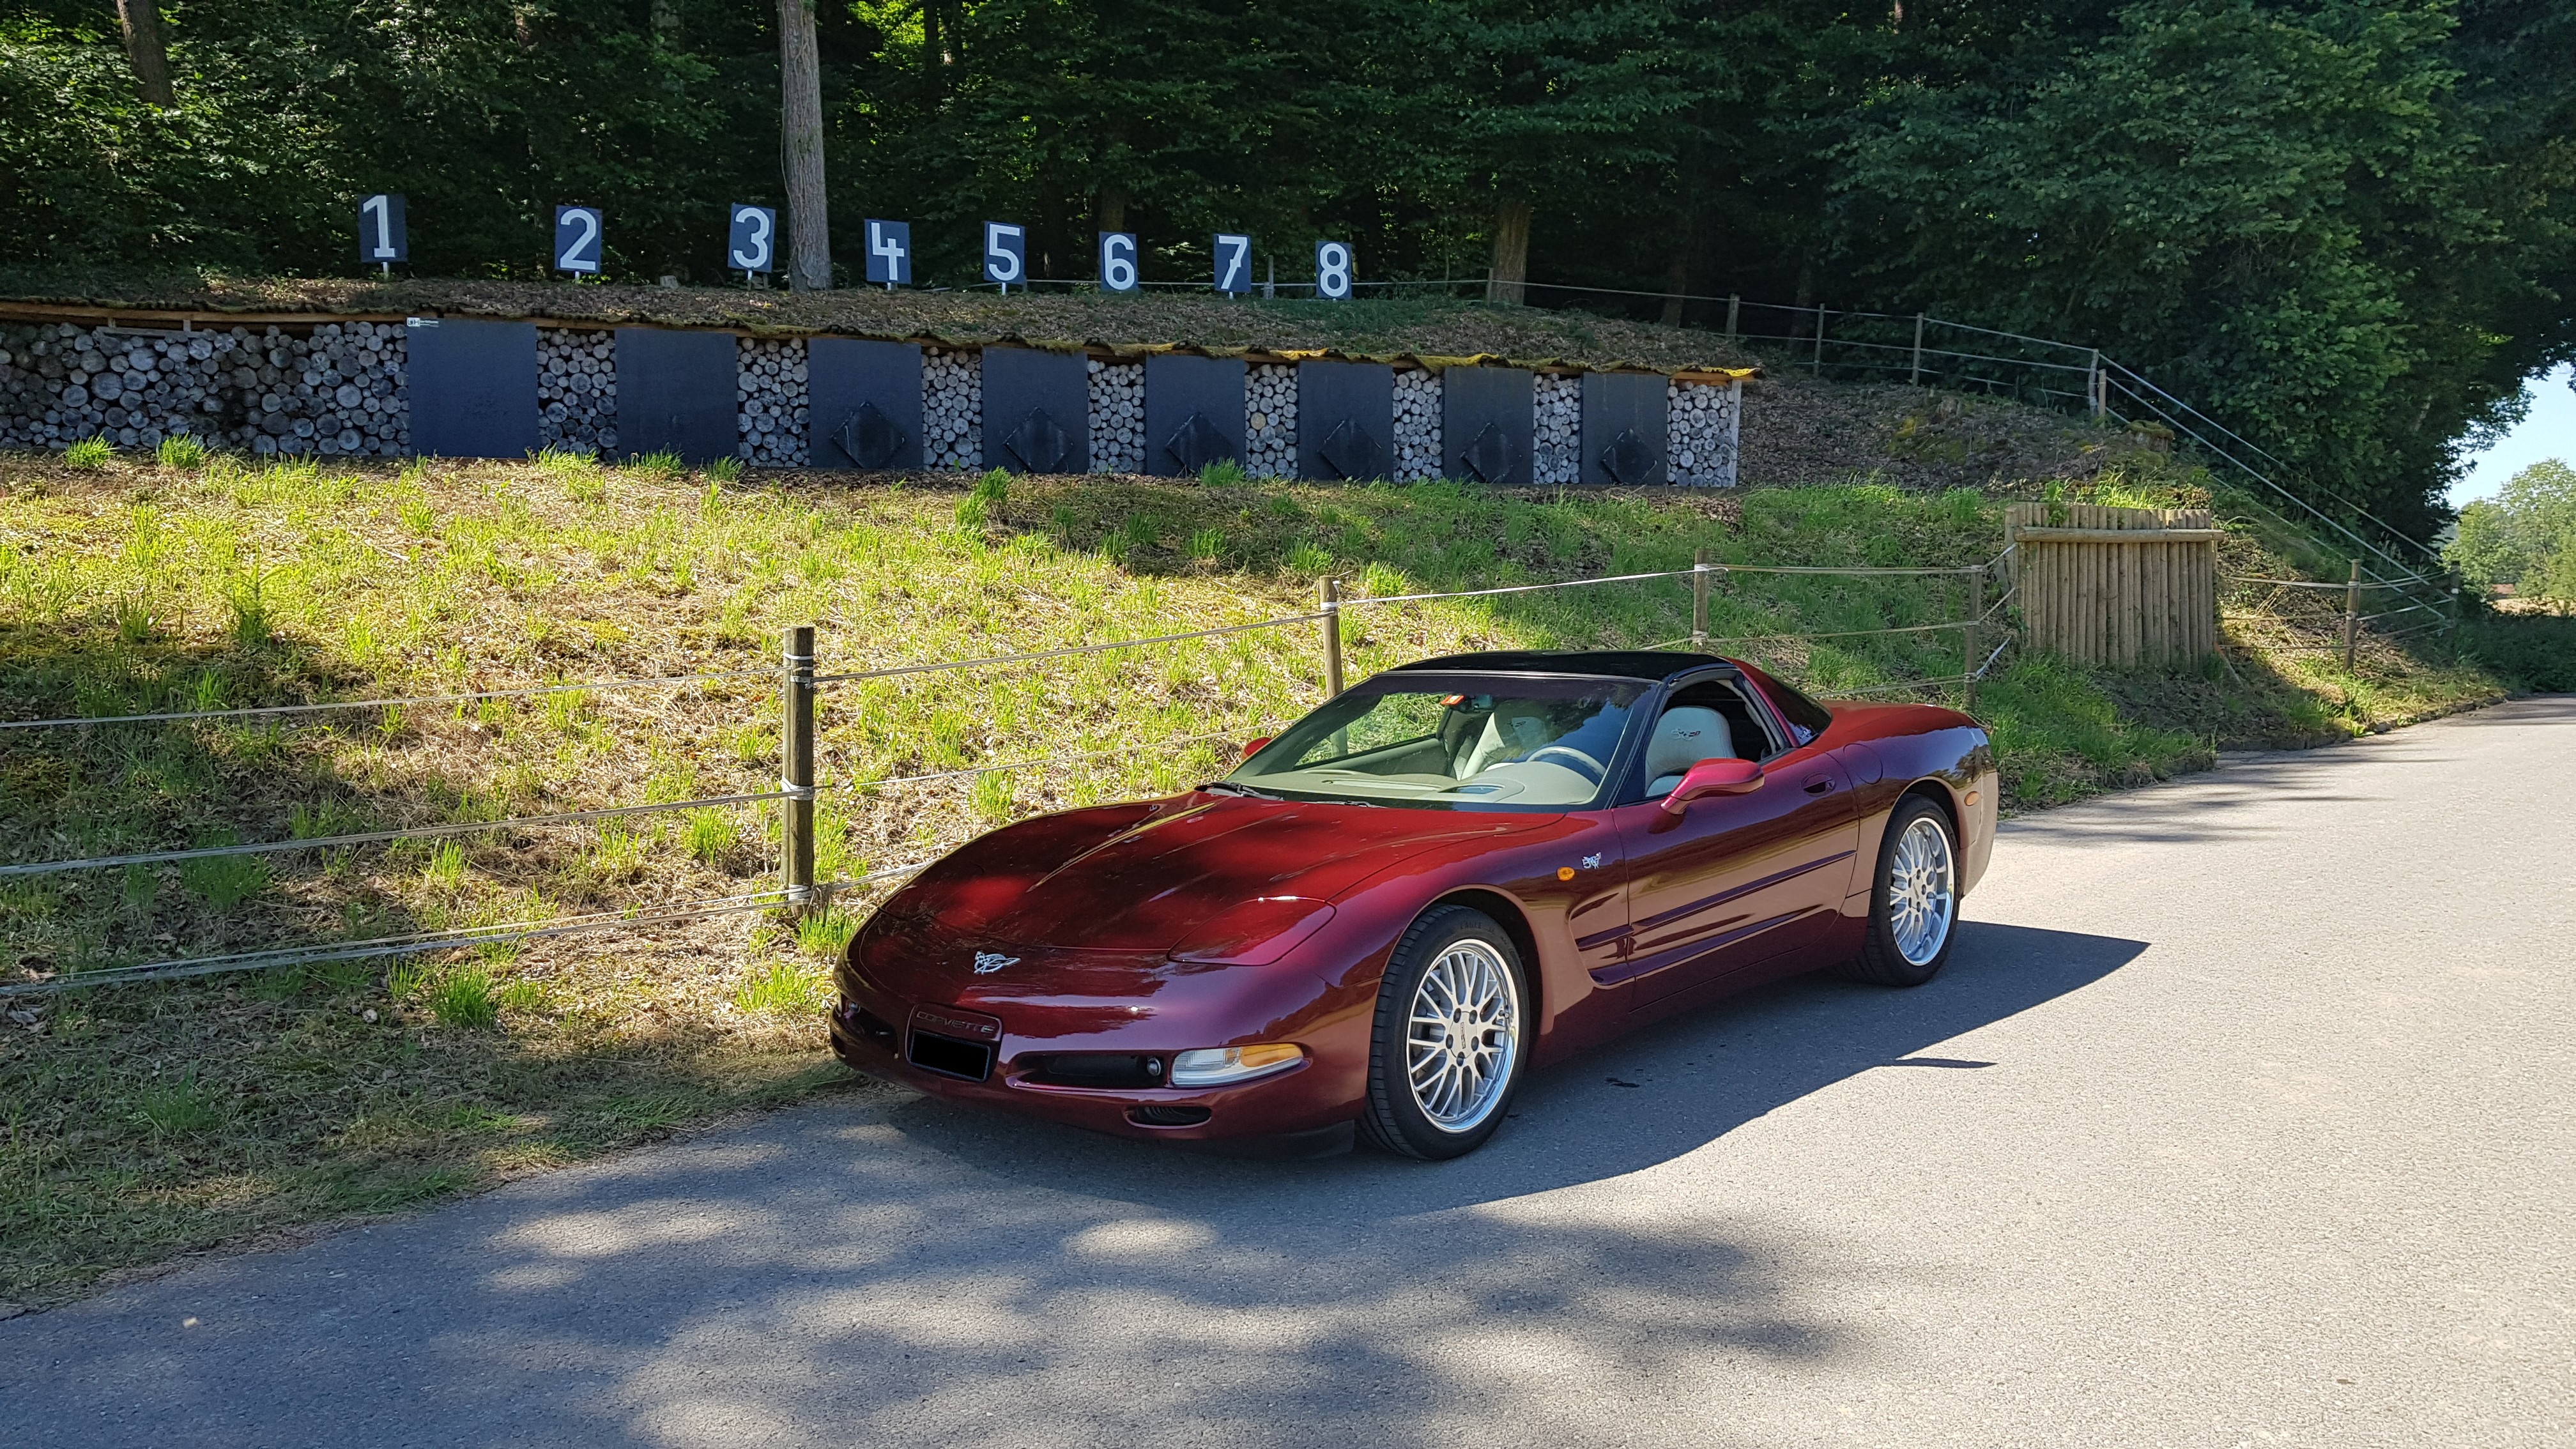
<point>1686,735</point>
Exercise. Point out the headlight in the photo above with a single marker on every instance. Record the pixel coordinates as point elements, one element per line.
<point>1223,1066</point>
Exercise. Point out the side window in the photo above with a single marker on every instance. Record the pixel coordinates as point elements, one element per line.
<point>1708,720</point>
<point>1745,721</point>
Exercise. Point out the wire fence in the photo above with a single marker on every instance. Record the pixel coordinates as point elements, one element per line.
<point>799,786</point>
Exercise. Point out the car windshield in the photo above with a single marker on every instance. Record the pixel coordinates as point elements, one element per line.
<point>1452,743</point>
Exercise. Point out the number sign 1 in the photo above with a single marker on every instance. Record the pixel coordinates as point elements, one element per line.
<point>1333,270</point>
<point>1118,262</point>
<point>1233,264</point>
<point>1006,253</point>
<point>577,244</point>
<point>752,244</point>
<point>890,252</point>
<point>380,230</point>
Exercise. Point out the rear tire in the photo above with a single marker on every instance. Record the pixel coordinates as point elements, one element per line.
<point>1451,1038</point>
<point>1914,901</point>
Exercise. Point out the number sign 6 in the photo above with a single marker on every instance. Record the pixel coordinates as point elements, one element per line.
<point>380,229</point>
<point>1233,264</point>
<point>1118,261</point>
<point>577,245</point>
<point>890,252</point>
<point>1333,271</point>
<point>1006,253</point>
<point>752,245</point>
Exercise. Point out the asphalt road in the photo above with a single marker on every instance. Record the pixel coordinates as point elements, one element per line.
<point>2242,1117</point>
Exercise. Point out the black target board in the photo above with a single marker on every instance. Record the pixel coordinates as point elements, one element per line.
<point>1037,410</point>
<point>676,393</point>
<point>1193,412</point>
<point>473,388</point>
<point>1345,420</point>
<point>1623,428</point>
<point>1488,429</point>
<point>862,403</point>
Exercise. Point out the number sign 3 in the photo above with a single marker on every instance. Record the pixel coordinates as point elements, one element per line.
<point>1233,264</point>
<point>890,253</point>
<point>1333,270</point>
<point>577,240</point>
<point>1006,252</point>
<point>752,245</point>
<point>380,229</point>
<point>1118,262</point>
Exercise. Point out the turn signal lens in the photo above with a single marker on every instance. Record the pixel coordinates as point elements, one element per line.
<point>1220,1066</point>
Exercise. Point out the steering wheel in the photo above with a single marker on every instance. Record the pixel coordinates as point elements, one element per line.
<point>1584,765</point>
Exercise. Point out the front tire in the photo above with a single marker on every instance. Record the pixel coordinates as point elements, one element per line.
<point>1914,902</point>
<point>1451,1038</point>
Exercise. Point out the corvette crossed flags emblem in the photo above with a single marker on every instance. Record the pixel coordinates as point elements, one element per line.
<point>988,962</point>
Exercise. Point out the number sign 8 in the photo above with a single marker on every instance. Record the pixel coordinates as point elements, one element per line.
<point>380,229</point>
<point>1233,264</point>
<point>752,245</point>
<point>1333,271</point>
<point>577,243</point>
<point>1118,261</point>
<point>1006,252</point>
<point>890,252</point>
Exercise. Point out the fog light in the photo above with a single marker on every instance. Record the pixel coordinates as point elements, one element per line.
<point>1219,1066</point>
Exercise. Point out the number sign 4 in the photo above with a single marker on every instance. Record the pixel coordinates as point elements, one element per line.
<point>752,244</point>
<point>380,230</point>
<point>1333,268</point>
<point>577,240</point>
<point>1233,264</point>
<point>890,252</point>
<point>1006,253</point>
<point>1118,262</point>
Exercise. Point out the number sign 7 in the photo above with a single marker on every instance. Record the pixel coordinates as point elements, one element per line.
<point>1233,264</point>
<point>577,239</point>
<point>890,252</point>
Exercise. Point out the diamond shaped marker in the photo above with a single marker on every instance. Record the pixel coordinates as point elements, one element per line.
<point>870,438</point>
<point>1490,456</point>
<point>1351,451</point>
<point>1196,443</point>
<point>1037,442</point>
<point>1628,459</point>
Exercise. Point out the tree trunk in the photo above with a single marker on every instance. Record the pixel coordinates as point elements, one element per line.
<point>800,148</point>
<point>1677,272</point>
<point>147,50</point>
<point>1112,211</point>
<point>1507,281</point>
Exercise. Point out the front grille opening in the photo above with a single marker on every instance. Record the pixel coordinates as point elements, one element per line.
<point>1168,1116</point>
<point>1107,1070</point>
<point>948,1056</point>
<point>874,1028</point>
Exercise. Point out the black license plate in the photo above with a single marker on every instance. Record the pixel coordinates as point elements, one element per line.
<point>950,1057</point>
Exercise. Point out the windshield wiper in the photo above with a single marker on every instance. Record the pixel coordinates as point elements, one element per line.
<point>1228,787</point>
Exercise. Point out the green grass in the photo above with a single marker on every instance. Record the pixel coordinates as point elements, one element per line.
<point>182,452</point>
<point>89,453</point>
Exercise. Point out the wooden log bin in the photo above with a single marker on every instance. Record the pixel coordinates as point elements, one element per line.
<point>2120,587</point>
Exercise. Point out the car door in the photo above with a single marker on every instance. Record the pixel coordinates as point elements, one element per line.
<point>1732,881</point>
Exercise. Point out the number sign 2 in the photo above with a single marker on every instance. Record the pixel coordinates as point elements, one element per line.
<point>1118,262</point>
<point>1233,264</point>
<point>577,240</point>
<point>1006,253</point>
<point>380,229</point>
<point>890,252</point>
<point>752,244</point>
<point>1333,270</point>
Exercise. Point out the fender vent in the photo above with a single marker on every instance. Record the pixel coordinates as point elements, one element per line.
<point>1168,1116</point>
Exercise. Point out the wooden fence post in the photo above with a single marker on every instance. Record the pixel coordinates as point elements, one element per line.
<point>2351,614</point>
<point>1699,599</point>
<point>1818,366</point>
<point>796,768</point>
<point>1330,594</point>
<point>1976,610</point>
<point>1918,350</point>
<point>1733,300</point>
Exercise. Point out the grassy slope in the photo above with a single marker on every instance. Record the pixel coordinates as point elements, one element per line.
<point>152,1121</point>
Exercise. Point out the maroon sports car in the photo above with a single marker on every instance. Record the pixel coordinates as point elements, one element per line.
<point>1387,914</point>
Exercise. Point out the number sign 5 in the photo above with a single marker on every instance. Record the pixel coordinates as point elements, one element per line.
<point>380,229</point>
<point>577,243</point>
<point>890,252</point>
<point>1233,264</point>
<point>1333,270</point>
<point>752,244</point>
<point>1118,262</point>
<point>1006,253</point>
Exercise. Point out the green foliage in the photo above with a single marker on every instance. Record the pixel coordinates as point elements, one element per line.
<point>225,881</point>
<point>89,453</point>
<point>785,987</point>
<point>181,451</point>
<point>465,998</point>
<point>2526,537</point>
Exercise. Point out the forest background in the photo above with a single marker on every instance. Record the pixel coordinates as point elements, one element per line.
<point>2346,227</point>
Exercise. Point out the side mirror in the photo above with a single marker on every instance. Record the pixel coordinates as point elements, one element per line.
<point>1714,777</point>
<point>1253,747</point>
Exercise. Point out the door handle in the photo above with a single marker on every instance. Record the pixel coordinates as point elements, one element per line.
<point>1819,784</point>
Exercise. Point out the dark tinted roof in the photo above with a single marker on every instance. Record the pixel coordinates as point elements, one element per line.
<point>1612,663</point>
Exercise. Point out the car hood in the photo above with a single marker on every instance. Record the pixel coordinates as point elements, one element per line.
<point>1143,878</point>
